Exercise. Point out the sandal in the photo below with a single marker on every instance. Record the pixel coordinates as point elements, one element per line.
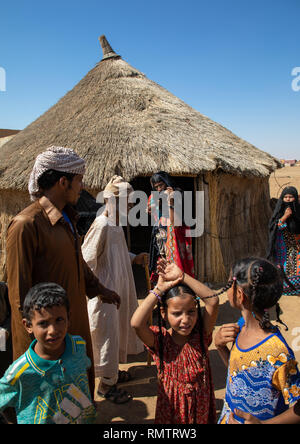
<point>124,376</point>
<point>115,395</point>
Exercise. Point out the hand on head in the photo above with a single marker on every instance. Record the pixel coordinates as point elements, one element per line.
<point>170,275</point>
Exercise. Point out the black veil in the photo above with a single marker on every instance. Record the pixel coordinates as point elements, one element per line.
<point>293,222</point>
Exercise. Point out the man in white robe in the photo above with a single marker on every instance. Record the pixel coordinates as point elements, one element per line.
<point>106,252</point>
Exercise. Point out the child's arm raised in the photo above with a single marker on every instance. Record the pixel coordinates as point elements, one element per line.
<point>141,316</point>
<point>172,271</point>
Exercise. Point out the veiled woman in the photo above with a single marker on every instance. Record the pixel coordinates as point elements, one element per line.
<point>284,238</point>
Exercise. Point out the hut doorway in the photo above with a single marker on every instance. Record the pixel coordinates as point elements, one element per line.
<point>138,238</point>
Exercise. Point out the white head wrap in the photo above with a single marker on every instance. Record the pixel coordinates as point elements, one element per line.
<point>54,158</point>
<point>117,187</point>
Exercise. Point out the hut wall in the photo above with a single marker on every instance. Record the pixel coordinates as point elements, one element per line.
<point>202,254</point>
<point>236,223</point>
<point>11,203</point>
<point>236,220</point>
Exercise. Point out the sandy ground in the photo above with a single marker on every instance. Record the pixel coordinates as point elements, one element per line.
<point>282,178</point>
<point>143,387</point>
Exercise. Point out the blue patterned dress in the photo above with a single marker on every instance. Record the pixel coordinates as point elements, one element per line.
<point>288,255</point>
<point>263,380</point>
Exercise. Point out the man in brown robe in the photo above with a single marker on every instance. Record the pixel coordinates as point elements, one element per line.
<point>43,246</point>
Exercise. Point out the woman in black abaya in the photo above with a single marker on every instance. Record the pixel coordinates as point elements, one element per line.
<point>284,238</point>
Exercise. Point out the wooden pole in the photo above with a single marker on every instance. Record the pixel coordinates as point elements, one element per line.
<point>128,236</point>
<point>149,358</point>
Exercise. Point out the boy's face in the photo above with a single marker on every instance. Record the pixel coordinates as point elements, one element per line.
<point>49,327</point>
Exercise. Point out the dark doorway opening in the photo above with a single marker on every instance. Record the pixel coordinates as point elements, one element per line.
<point>138,238</point>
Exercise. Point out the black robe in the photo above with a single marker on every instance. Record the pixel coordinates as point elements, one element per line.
<point>293,222</point>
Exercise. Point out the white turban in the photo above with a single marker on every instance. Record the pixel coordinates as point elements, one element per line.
<point>117,187</point>
<point>55,158</point>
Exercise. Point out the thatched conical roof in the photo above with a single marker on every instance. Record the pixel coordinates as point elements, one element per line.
<point>121,122</point>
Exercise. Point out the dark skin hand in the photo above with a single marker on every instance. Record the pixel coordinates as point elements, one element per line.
<point>110,297</point>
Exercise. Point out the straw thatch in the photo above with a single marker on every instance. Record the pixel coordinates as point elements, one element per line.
<point>121,122</point>
<point>133,126</point>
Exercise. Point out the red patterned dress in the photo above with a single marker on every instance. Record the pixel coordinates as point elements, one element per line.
<point>185,389</point>
<point>172,242</point>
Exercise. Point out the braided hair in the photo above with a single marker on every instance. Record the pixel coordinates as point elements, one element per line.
<point>178,290</point>
<point>219,292</point>
<point>262,283</point>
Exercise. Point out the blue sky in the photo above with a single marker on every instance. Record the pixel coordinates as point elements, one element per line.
<point>232,60</point>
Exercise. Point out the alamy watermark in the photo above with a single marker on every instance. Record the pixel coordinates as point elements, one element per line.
<point>135,209</point>
<point>2,79</point>
<point>296,80</point>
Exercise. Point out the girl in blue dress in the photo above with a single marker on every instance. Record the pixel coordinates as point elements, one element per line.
<point>263,378</point>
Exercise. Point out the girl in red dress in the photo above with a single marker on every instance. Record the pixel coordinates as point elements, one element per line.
<point>185,389</point>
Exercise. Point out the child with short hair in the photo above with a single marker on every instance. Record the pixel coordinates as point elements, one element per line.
<point>263,378</point>
<point>185,389</point>
<point>48,384</point>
